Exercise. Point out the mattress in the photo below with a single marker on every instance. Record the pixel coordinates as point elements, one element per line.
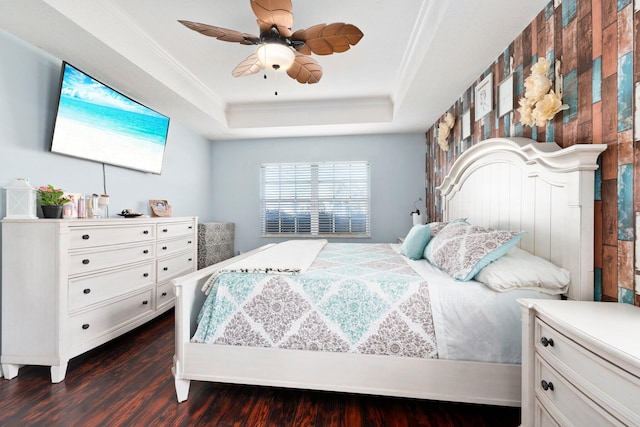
<point>364,298</point>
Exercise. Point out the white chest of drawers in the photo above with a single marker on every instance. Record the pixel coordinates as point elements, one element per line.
<point>580,363</point>
<point>71,285</point>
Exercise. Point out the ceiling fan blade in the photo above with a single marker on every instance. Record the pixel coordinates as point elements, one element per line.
<point>223,34</point>
<point>274,12</point>
<point>249,66</point>
<point>325,39</point>
<point>305,69</point>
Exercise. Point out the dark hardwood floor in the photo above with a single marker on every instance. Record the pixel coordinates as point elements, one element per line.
<point>128,382</point>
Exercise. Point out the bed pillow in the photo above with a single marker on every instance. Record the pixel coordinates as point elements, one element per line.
<point>519,269</point>
<point>415,242</point>
<point>461,249</point>
<point>436,227</point>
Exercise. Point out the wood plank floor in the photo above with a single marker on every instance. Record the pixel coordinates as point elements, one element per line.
<point>128,382</point>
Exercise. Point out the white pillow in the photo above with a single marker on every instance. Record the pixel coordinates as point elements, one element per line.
<point>519,269</point>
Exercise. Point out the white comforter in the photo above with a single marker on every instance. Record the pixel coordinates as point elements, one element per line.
<point>486,329</point>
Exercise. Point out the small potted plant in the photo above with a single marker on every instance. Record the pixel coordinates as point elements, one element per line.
<point>51,201</point>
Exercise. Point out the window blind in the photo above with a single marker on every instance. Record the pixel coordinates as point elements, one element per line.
<point>315,199</point>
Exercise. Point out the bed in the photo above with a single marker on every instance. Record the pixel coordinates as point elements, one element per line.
<point>502,183</point>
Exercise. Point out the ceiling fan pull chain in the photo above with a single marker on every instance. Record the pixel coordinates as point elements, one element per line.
<point>275,72</point>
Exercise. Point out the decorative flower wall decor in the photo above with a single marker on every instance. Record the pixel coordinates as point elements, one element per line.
<point>444,129</point>
<point>540,103</point>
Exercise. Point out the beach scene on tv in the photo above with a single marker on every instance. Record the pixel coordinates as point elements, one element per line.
<point>98,123</point>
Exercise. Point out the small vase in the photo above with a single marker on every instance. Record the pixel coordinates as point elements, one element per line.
<point>52,211</point>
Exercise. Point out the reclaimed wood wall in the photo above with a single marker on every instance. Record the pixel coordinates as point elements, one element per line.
<point>597,43</point>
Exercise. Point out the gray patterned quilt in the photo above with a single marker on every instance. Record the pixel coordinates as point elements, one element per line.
<point>355,297</point>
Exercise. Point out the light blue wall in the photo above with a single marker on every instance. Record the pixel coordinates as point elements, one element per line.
<point>28,94</point>
<point>397,179</point>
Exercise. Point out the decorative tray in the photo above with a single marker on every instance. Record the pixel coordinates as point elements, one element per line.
<point>130,215</point>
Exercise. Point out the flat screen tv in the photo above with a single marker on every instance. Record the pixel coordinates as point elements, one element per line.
<point>96,122</point>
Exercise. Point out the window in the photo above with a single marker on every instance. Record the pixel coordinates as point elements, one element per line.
<point>315,199</point>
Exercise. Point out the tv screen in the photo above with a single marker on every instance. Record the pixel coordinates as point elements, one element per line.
<point>95,122</point>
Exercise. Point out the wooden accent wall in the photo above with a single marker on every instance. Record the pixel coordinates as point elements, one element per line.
<point>598,44</point>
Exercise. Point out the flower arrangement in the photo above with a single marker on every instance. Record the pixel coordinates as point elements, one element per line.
<point>444,128</point>
<point>50,196</point>
<point>540,103</point>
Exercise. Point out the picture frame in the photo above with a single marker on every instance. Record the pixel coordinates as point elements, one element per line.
<point>505,96</point>
<point>160,208</point>
<point>484,97</point>
<point>466,124</point>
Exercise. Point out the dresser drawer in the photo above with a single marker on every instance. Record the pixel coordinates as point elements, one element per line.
<point>164,295</point>
<point>543,418</point>
<point>93,289</point>
<point>103,236</point>
<point>618,394</point>
<point>89,325</point>
<point>565,403</point>
<point>169,268</point>
<point>169,230</point>
<point>98,259</point>
<point>165,247</point>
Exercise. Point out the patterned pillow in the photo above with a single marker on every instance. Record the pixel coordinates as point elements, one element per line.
<point>461,249</point>
<point>436,227</point>
<point>415,242</point>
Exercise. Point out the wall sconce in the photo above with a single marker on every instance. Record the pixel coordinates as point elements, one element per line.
<point>21,200</point>
<point>417,217</point>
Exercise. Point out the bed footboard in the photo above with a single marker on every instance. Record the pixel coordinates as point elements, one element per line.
<point>189,300</point>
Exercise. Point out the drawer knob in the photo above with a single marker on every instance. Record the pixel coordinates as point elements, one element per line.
<point>166,268</point>
<point>85,237</point>
<point>86,291</point>
<point>546,385</point>
<point>145,275</point>
<point>164,230</point>
<point>145,232</point>
<point>190,259</point>
<point>164,294</point>
<point>546,341</point>
<point>145,302</point>
<point>189,242</point>
<point>146,251</point>
<point>85,261</point>
<point>164,248</point>
<point>85,326</point>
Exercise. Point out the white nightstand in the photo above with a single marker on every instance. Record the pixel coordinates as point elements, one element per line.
<point>580,363</point>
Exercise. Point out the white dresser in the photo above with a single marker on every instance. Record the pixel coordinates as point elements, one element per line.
<point>71,285</point>
<point>580,363</point>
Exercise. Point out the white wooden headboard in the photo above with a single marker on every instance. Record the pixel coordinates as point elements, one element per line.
<point>521,184</point>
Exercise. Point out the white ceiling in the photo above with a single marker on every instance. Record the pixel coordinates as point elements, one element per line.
<point>415,59</point>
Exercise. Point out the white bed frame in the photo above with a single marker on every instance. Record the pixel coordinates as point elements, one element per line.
<point>509,183</point>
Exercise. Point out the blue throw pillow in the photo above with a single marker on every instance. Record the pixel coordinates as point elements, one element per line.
<point>415,242</point>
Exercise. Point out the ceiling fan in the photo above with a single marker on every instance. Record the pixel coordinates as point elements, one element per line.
<point>281,49</point>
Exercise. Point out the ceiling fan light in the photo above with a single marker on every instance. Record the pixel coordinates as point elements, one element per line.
<point>275,56</point>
